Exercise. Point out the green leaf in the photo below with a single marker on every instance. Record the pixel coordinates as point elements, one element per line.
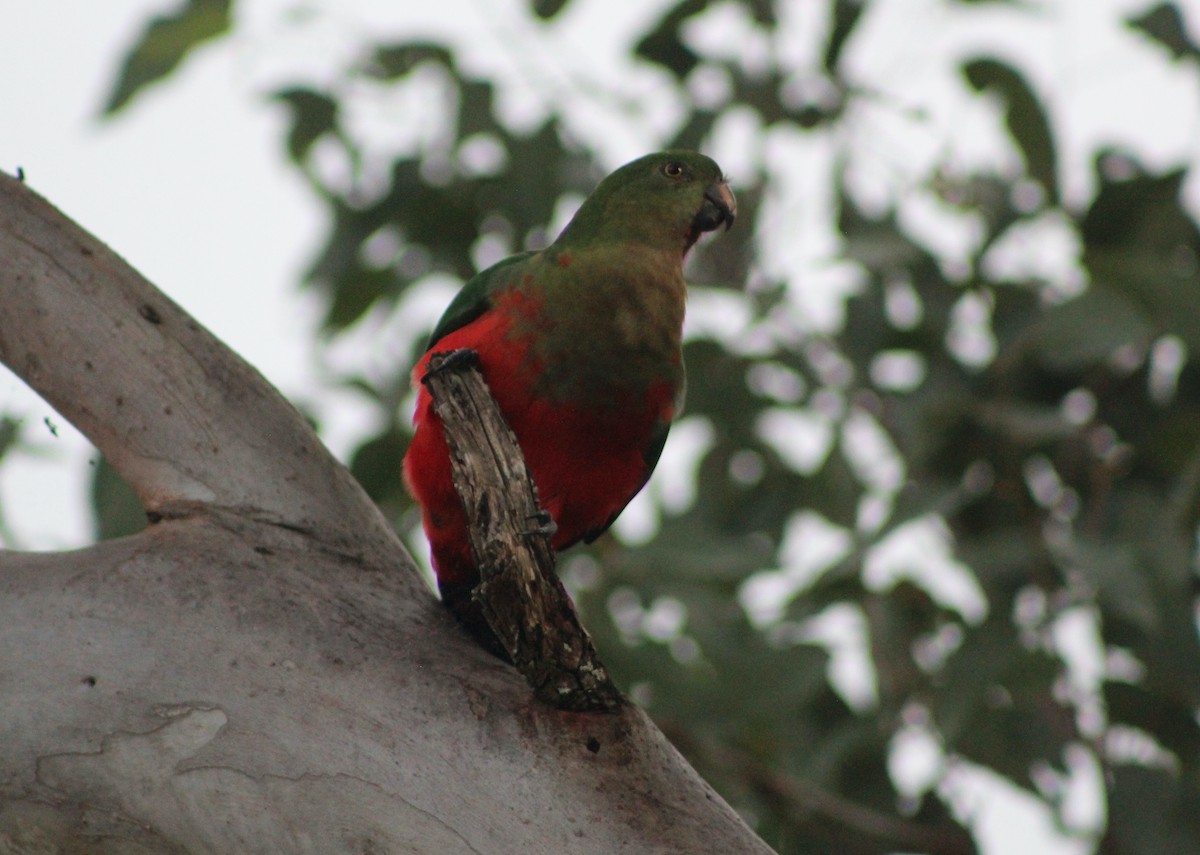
<point>1135,209</point>
<point>10,434</point>
<point>1141,241</point>
<point>1086,331</point>
<point>1162,558</point>
<point>1172,723</point>
<point>1121,580</point>
<point>1150,810</point>
<point>164,44</point>
<point>116,509</point>
<point>693,134</point>
<point>846,15</point>
<point>547,9</point>
<point>1026,120</point>
<point>1165,25</point>
<point>377,463</point>
<point>663,45</point>
<point>397,60</point>
<point>356,294</point>
<point>688,552</point>
<point>995,703</point>
<point>314,114</point>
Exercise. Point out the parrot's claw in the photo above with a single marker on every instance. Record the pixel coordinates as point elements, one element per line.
<point>544,524</point>
<point>451,360</point>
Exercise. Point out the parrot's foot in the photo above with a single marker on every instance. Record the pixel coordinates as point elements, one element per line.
<point>451,360</point>
<point>543,524</point>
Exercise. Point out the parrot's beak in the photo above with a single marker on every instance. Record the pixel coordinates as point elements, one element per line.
<point>719,207</point>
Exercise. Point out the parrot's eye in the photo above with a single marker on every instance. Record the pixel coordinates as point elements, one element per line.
<point>673,169</point>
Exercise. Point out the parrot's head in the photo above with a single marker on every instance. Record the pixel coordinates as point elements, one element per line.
<point>666,200</point>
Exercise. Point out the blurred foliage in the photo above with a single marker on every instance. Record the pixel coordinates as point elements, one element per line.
<point>117,509</point>
<point>1165,24</point>
<point>1041,430</point>
<point>11,443</point>
<point>28,441</point>
<point>165,43</point>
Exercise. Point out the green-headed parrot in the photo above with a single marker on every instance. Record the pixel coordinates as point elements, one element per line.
<point>580,344</point>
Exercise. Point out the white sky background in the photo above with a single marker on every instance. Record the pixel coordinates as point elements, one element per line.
<point>190,186</point>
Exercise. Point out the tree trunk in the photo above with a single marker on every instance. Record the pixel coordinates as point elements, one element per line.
<point>262,670</point>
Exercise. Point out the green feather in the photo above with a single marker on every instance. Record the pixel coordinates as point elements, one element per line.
<point>474,299</point>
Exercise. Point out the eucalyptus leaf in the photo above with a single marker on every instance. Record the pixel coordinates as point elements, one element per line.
<point>164,44</point>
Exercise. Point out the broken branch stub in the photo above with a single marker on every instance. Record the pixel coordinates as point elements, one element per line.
<point>519,593</point>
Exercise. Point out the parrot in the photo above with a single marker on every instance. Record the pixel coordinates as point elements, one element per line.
<point>580,344</point>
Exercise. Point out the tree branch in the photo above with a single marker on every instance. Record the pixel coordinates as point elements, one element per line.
<point>521,596</point>
<point>182,419</point>
<point>263,671</point>
<point>853,827</point>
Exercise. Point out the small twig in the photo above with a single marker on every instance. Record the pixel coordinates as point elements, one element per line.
<point>519,593</point>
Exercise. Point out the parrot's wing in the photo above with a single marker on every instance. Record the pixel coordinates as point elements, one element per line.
<point>474,298</point>
<point>650,454</point>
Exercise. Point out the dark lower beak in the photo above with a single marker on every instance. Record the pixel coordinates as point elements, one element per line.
<point>719,207</point>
